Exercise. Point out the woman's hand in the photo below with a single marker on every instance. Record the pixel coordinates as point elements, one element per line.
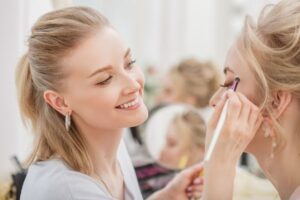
<point>186,185</point>
<point>242,121</point>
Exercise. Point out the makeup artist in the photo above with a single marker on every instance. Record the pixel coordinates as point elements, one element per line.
<point>78,87</point>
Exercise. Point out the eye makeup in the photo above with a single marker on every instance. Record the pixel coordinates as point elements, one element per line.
<point>105,81</point>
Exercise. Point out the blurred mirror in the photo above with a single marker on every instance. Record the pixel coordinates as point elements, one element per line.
<point>175,136</point>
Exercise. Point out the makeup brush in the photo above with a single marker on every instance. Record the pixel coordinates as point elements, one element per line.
<point>220,124</point>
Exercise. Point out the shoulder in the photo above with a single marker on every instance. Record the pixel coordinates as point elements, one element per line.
<point>54,180</point>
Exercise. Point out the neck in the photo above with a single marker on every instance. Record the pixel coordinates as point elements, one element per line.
<point>102,147</point>
<point>283,170</point>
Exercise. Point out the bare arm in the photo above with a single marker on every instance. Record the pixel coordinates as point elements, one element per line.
<point>241,124</point>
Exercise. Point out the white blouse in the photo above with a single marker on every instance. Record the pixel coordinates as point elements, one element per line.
<point>54,180</point>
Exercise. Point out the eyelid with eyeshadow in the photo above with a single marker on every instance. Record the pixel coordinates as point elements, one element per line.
<point>110,76</point>
<point>104,81</point>
<point>226,85</point>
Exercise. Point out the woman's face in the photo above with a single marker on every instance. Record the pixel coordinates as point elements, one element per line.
<point>172,92</point>
<point>174,149</point>
<point>168,93</point>
<point>234,66</point>
<point>179,147</point>
<point>104,88</point>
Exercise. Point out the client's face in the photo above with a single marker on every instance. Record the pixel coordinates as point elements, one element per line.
<point>234,66</point>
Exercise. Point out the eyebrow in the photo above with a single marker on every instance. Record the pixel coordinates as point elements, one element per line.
<point>226,69</point>
<point>127,52</point>
<point>108,67</point>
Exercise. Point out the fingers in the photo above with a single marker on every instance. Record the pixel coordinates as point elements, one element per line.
<point>254,118</point>
<point>234,105</point>
<point>242,118</point>
<point>217,112</point>
<point>195,190</point>
<point>194,196</point>
<point>193,171</point>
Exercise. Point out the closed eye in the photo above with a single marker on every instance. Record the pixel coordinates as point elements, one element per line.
<point>226,85</point>
<point>130,64</point>
<point>106,81</point>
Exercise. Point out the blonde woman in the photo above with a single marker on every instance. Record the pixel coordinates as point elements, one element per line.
<point>78,87</point>
<point>185,140</point>
<point>191,82</point>
<point>263,115</point>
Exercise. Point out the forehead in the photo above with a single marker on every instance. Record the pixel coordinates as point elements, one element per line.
<point>101,48</point>
<point>236,65</point>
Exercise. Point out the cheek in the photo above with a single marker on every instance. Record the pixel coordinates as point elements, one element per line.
<point>95,97</point>
<point>139,75</point>
<point>90,104</point>
<point>245,90</point>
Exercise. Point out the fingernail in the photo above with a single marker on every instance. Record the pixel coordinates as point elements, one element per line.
<point>189,189</point>
<point>197,181</point>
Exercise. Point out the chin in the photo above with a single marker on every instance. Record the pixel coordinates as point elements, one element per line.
<point>139,118</point>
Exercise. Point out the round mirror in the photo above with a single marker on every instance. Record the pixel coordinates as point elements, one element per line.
<point>175,136</point>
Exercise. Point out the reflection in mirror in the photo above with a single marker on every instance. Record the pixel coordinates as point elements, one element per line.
<point>175,136</point>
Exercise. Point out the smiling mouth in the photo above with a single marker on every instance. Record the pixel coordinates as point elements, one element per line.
<point>128,105</point>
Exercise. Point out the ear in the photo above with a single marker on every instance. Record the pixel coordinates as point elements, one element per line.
<point>280,102</point>
<point>56,101</point>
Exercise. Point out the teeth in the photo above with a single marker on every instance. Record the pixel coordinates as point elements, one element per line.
<point>130,104</point>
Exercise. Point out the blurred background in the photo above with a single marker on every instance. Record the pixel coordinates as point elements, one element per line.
<point>161,33</point>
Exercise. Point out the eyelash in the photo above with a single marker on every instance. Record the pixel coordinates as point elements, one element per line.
<point>226,85</point>
<point>105,81</point>
<point>130,64</point>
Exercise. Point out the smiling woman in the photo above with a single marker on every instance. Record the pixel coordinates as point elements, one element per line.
<point>78,87</point>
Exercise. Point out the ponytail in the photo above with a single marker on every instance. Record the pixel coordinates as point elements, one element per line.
<point>52,37</point>
<point>26,91</point>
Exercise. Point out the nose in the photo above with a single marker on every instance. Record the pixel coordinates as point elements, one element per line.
<point>215,98</point>
<point>131,85</point>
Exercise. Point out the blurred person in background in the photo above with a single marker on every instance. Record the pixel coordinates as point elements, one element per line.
<point>190,82</point>
<point>185,141</point>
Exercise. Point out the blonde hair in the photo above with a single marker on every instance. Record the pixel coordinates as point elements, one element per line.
<point>197,79</point>
<point>191,127</point>
<point>52,37</point>
<point>271,49</point>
